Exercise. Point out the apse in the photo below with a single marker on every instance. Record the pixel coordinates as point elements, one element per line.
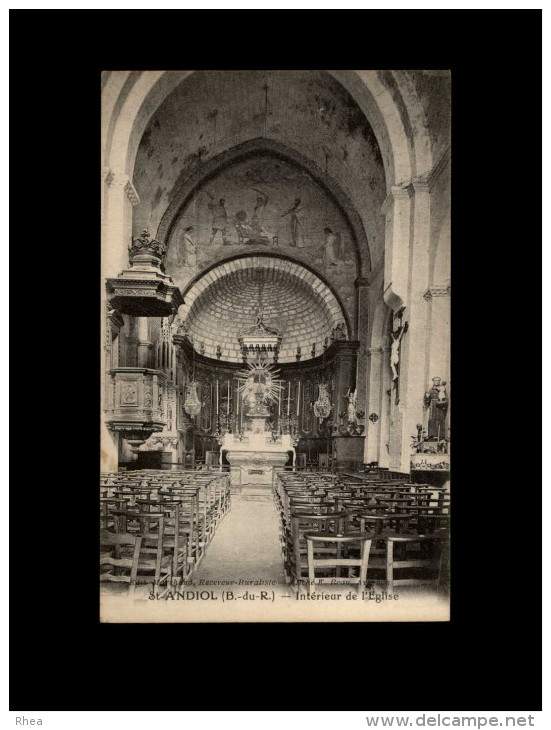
<point>226,302</point>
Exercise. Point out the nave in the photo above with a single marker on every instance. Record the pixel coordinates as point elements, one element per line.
<point>276,315</point>
<point>314,536</point>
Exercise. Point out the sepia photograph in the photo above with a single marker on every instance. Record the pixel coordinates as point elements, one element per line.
<point>276,383</point>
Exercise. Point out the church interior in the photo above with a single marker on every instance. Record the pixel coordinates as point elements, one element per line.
<point>276,332</point>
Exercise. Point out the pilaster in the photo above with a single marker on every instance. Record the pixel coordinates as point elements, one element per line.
<point>397,210</point>
<point>438,300</point>
<point>413,356</point>
<point>362,325</point>
<point>373,410</point>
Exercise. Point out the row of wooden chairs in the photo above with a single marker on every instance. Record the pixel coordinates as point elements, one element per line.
<point>163,523</point>
<point>398,526</point>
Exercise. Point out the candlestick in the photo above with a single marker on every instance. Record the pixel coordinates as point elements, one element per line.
<point>298,397</point>
<point>238,397</point>
<point>279,405</point>
<point>217,397</point>
<point>288,398</point>
<point>228,411</point>
<point>241,417</point>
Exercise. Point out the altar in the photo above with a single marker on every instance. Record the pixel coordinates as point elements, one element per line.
<point>254,456</point>
<point>256,451</point>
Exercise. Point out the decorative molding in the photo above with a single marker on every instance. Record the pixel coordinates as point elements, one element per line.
<point>437,290</point>
<point>397,192</point>
<point>440,166</point>
<point>144,245</point>
<point>424,182</point>
<point>108,176</point>
<point>430,462</point>
<point>114,319</point>
<point>152,298</point>
<point>420,184</point>
<point>131,193</point>
<point>123,291</point>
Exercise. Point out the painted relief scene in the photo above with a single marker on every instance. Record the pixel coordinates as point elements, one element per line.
<point>261,203</point>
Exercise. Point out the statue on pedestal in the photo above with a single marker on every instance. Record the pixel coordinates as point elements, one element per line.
<point>351,397</point>
<point>436,400</point>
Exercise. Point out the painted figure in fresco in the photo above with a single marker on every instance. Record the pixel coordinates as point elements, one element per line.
<point>190,252</point>
<point>247,233</point>
<point>333,250</point>
<point>219,219</point>
<point>436,400</point>
<point>259,209</point>
<point>297,223</point>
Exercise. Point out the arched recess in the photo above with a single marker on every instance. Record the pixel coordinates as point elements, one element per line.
<point>294,270</point>
<point>140,95</point>
<point>263,146</point>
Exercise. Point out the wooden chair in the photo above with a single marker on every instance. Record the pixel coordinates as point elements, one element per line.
<point>125,567</point>
<point>107,520</point>
<point>155,562</point>
<point>302,522</point>
<point>193,520</point>
<point>336,561</point>
<point>412,552</point>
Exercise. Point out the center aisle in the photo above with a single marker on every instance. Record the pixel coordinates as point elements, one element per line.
<point>246,544</point>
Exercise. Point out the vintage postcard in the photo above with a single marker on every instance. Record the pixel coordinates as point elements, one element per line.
<point>275,367</point>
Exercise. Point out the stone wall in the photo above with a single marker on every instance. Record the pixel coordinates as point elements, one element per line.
<point>301,235</point>
<point>213,111</point>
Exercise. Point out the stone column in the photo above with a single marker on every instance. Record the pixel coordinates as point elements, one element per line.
<point>373,404</point>
<point>386,408</point>
<point>362,323</point>
<point>397,211</point>
<point>437,297</point>
<point>413,356</point>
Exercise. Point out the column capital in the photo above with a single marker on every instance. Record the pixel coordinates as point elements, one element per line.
<point>397,192</point>
<point>107,175</point>
<point>362,281</point>
<point>437,290</point>
<point>122,180</point>
<point>374,351</point>
<point>420,184</point>
<point>131,193</point>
